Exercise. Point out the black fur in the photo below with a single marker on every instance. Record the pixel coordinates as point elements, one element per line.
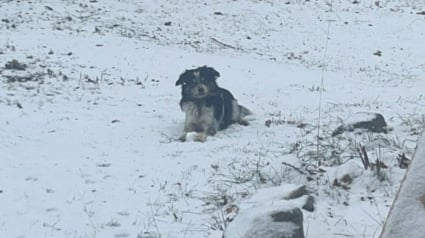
<point>208,107</point>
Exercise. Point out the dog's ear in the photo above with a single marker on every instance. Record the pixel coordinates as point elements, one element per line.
<point>210,72</point>
<point>183,78</point>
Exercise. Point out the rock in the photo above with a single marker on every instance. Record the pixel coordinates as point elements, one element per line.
<point>15,65</point>
<point>267,222</point>
<point>273,212</point>
<point>309,204</point>
<point>300,191</point>
<point>368,121</point>
<point>294,216</point>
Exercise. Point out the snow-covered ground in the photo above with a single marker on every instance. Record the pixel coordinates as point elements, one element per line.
<point>88,129</point>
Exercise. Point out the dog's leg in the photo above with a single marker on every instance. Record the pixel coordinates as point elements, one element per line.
<point>182,138</point>
<point>202,136</point>
<point>243,122</point>
<point>211,131</point>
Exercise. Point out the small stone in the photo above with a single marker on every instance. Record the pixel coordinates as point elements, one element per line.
<point>378,53</point>
<point>15,65</point>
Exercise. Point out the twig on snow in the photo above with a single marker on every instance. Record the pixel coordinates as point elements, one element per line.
<point>225,44</point>
<point>295,168</point>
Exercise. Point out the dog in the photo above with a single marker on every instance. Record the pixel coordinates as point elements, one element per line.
<point>208,107</point>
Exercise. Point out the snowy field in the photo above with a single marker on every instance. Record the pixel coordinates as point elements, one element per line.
<point>89,112</point>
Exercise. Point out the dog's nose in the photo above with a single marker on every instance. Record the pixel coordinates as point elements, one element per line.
<point>201,90</point>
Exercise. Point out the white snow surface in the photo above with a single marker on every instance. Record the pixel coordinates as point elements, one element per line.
<point>89,147</point>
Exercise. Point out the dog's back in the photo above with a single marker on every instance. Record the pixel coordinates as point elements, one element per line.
<point>228,111</point>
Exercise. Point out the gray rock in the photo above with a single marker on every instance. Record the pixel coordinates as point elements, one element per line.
<point>285,224</point>
<point>281,223</point>
<point>273,212</point>
<point>309,204</point>
<point>294,216</point>
<point>368,121</point>
<point>300,191</point>
<point>15,65</point>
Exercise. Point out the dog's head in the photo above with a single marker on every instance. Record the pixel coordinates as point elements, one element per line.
<point>199,82</point>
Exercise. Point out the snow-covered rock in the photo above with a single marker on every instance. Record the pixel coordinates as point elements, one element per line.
<point>279,221</point>
<point>368,121</point>
<point>347,172</point>
<point>272,213</point>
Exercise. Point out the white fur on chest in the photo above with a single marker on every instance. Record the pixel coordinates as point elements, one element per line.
<point>199,118</point>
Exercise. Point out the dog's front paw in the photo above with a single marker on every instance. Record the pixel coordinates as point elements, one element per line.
<point>182,138</point>
<point>211,131</point>
<point>201,137</point>
<point>243,122</point>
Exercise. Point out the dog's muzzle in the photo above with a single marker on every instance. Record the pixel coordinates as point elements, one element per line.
<point>200,91</point>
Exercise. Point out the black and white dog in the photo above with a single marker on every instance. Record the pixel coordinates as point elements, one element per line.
<point>208,107</point>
